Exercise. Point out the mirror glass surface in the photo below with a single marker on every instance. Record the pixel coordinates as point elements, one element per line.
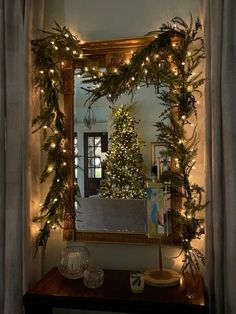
<point>94,214</point>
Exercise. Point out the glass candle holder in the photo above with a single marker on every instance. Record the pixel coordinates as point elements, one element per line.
<point>74,262</point>
<point>93,277</point>
<point>137,282</point>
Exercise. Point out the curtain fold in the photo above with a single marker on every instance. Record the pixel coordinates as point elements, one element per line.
<point>220,45</point>
<point>2,159</point>
<point>16,28</point>
<point>12,90</point>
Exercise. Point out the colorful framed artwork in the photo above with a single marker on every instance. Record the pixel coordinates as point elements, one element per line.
<point>155,210</point>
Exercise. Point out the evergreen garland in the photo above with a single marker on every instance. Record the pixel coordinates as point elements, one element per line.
<point>51,55</point>
<point>169,61</point>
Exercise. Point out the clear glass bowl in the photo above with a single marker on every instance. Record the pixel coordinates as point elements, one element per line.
<point>93,277</point>
<point>74,262</point>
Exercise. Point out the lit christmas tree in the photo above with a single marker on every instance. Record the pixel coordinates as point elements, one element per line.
<point>124,176</point>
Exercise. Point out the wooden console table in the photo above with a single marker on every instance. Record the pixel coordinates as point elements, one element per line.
<point>53,290</point>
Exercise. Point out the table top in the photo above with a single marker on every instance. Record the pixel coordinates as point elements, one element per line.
<point>116,290</point>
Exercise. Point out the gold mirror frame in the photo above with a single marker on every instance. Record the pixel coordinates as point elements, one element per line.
<point>104,53</point>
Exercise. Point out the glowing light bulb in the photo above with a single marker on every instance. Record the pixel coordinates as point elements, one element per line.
<point>52,42</point>
<point>62,63</point>
<point>41,72</point>
<point>74,52</point>
<point>55,47</point>
<point>51,71</point>
<point>64,150</point>
<point>58,180</point>
<point>53,145</point>
<point>42,91</point>
<point>41,204</point>
<point>86,69</point>
<point>189,53</point>
<point>183,63</point>
<point>147,58</point>
<point>66,35</point>
<point>45,127</point>
<point>189,216</point>
<point>50,169</point>
<point>145,71</point>
<point>191,124</point>
<point>174,45</point>
<point>64,163</point>
<point>48,221</point>
<point>189,88</point>
<point>132,78</point>
<point>138,87</point>
<point>183,117</point>
<point>55,132</point>
<point>67,48</point>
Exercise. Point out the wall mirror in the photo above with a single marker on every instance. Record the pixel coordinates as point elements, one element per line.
<point>101,219</point>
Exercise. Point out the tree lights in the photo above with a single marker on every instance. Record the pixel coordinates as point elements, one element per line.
<point>124,165</point>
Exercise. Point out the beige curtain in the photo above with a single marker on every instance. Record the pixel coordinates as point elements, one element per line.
<point>15,26</point>
<point>220,40</point>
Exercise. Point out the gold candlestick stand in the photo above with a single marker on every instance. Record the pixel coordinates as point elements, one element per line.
<point>161,277</point>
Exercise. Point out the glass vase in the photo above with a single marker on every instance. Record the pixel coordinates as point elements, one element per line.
<point>93,277</point>
<point>74,262</point>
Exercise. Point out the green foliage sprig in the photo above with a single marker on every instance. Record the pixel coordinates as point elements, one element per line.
<point>169,62</point>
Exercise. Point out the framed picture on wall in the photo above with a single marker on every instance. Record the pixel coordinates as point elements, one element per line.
<point>159,162</point>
